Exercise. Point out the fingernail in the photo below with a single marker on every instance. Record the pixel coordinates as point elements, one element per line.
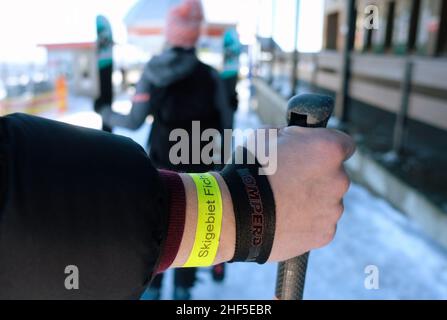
<point>291,129</point>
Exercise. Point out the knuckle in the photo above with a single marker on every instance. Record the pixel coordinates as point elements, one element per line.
<point>344,144</point>
<point>344,182</point>
<point>332,149</point>
<point>337,151</point>
<point>335,215</point>
<point>339,211</point>
<point>327,237</point>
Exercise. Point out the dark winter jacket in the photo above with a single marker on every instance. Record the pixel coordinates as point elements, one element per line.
<point>182,90</point>
<point>64,203</point>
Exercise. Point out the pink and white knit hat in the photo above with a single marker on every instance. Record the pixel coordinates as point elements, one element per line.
<point>183,24</point>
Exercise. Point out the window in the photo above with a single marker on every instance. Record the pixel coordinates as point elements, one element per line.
<point>284,24</point>
<point>368,40</point>
<point>429,27</point>
<point>442,38</point>
<point>332,26</point>
<point>390,24</point>
<point>416,5</point>
<point>402,23</point>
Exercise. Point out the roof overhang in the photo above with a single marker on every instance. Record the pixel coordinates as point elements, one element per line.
<point>68,46</point>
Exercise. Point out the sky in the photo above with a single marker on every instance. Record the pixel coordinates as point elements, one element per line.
<point>26,23</point>
<point>256,15</point>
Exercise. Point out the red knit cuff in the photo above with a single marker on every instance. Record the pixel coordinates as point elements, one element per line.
<point>176,218</point>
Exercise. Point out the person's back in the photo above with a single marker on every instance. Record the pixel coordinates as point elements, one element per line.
<point>177,106</point>
<point>177,89</point>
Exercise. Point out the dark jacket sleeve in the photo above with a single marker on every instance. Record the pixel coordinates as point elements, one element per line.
<point>138,113</point>
<point>76,197</point>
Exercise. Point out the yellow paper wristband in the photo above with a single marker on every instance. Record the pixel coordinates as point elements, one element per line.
<point>209,221</point>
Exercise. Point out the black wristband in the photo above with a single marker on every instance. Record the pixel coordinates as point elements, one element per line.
<point>254,210</point>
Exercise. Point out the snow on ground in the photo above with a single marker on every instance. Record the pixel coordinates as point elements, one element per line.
<point>371,232</point>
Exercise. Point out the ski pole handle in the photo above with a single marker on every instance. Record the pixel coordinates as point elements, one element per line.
<point>311,111</point>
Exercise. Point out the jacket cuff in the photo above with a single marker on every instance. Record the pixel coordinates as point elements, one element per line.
<point>176,219</point>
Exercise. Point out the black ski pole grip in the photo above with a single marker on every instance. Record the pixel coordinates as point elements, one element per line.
<point>312,111</point>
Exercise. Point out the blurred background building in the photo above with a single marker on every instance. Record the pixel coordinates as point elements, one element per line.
<point>390,84</point>
<point>145,24</point>
<point>384,61</point>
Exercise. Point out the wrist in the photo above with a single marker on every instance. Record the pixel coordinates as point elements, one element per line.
<point>228,234</point>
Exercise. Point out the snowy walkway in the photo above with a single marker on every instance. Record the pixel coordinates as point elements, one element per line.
<point>371,232</point>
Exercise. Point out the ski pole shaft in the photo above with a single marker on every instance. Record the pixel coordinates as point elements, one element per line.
<point>312,111</point>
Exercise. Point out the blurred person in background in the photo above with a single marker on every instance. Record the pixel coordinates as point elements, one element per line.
<point>177,89</point>
<point>231,51</point>
<point>104,49</point>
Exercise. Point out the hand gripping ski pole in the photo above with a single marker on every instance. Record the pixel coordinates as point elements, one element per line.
<point>311,111</point>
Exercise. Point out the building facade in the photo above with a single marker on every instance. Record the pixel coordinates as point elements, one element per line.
<point>78,63</point>
<point>385,63</point>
